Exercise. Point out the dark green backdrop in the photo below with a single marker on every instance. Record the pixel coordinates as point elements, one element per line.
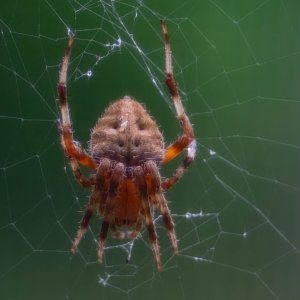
<point>237,64</point>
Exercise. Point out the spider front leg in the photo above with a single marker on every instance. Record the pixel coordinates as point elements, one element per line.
<point>186,140</point>
<point>85,182</point>
<point>72,149</point>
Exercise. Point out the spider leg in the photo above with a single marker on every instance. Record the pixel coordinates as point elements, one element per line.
<point>167,217</point>
<point>85,182</point>
<point>187,138</point>
<point>137,227</point>
<point>102,179</point>
<point>191,153</point>
<point>148,214</point>
<point>83,227</point>
<point>153,183</point>
<point>108,217</point>
<point>103,236</point>
<point>72,148</point>
<point>152,234</point>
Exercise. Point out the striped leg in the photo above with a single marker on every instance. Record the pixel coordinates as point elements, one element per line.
<point>71,147</point>
<point>83,227</point>
<point>103,177</point>
<point>103,236</point>
<point>191,153</point>
<point>167,217</point>
<point>153,183</point>
<point>187,139</point>
<point>139,175</point>
<point>85,182</point>
<point>114,183</point>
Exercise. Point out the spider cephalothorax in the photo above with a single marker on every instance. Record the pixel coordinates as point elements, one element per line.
<point>127,150</point>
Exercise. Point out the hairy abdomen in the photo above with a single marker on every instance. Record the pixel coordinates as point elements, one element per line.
<point>126,133</point>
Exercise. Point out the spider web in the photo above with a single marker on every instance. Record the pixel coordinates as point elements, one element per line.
<point>237,64</point>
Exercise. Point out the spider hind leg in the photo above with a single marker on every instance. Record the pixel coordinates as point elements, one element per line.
<point>103,236</point>
<point>83,228</point>
<point>148,209</point>
<point>153,183</point>
<point>169,224</point>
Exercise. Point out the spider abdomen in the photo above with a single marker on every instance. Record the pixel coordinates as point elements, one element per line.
<point>126,133</point>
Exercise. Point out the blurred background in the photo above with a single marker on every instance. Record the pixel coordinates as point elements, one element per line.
<point>237,65</point>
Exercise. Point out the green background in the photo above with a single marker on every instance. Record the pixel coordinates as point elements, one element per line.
<point>237,64</point>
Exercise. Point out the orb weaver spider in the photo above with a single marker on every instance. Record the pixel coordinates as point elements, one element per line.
<point>126,151</point>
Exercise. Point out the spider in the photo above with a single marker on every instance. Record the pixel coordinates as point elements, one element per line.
<point>126,152</point>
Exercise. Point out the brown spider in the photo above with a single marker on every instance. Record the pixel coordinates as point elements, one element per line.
<point>127,150</point>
